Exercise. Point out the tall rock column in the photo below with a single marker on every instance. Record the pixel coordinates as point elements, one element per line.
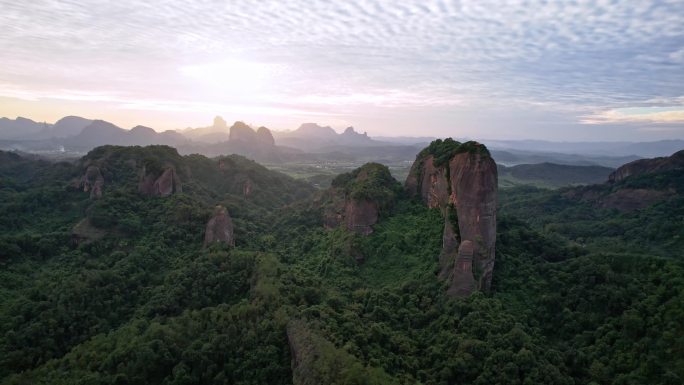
<point>460,179</point>
<point>474,193</point>
<point>219,228</point>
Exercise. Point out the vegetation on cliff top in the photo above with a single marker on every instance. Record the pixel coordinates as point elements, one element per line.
<point>372,182</point>
<point>443,150</point>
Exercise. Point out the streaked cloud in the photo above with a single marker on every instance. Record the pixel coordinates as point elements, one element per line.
<point>455,64</point>
<point>665,115</point>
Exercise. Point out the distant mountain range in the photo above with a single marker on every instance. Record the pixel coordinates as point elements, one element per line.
<point>27,129</point>
<point>309,142</point>
<point>617,149</point>
<point>316,138</point>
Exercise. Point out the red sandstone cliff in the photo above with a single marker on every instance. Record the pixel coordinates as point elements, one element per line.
<point>646,166</point>
<point>356,199</point>
<point>93,182</point>
<point>160,184</point>
<point>473,192</point>
<point>219,228</point>
<point>465,180</point>
<point>358,215</point>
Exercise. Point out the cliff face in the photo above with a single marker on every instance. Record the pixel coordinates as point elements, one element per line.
<point>430,182</point>
<point>159,183</point>
<point>647,166</point>
<point>219,228</point>
<point>473,193</point>
<point>93,182</point>
<point>358,215</point>
<point>357,199</point>
<point>461,180</point>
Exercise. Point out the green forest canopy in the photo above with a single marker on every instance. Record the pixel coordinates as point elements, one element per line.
<point>579,295</point>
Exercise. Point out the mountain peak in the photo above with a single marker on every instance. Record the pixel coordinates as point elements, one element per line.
<point>351,132</point>
<point>265,136</point>
<point>25,120</point>
<point>240,131</point>
<point>316,130</point>
<point>142,130</point>
<point>69,126</point>
<point>219,122</point>
<point>101,124</point>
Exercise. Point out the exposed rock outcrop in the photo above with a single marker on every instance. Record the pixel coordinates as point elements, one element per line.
<point>316,361</point>
<point>160,183</point>
<point>240,132</point>
<point>432,183</point>
<point>84,232</point>
<point>462,279</point>
<point>219,228</point>
<point>647,166</point>
<point>474,193</point>
<point>220,123</point>
<point>357,199</point>
<point>260,144</point>
<point>358,215</point>
<point>265,137</point>
<point>93,182</point>
<point>247,188</point>
<point>635,185</point>
<point>460,177</point>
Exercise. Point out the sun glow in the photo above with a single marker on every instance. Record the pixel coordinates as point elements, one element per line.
<point>230,75</point>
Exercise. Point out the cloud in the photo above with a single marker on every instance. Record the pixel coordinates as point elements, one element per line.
<point>600,55</point>
<point>659,115</point>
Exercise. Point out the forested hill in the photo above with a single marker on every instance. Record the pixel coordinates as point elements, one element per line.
<point>105,278</point>
<point>552,175</point>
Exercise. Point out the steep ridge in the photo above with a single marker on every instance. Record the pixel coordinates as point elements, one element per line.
<point>461,180</point>
<point>647,166</point>
<point>635,185</point>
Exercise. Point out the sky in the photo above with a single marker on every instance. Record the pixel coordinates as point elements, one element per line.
<point>527,69</point>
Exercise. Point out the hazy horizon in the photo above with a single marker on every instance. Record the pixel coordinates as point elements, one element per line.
<point>581,71</point>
